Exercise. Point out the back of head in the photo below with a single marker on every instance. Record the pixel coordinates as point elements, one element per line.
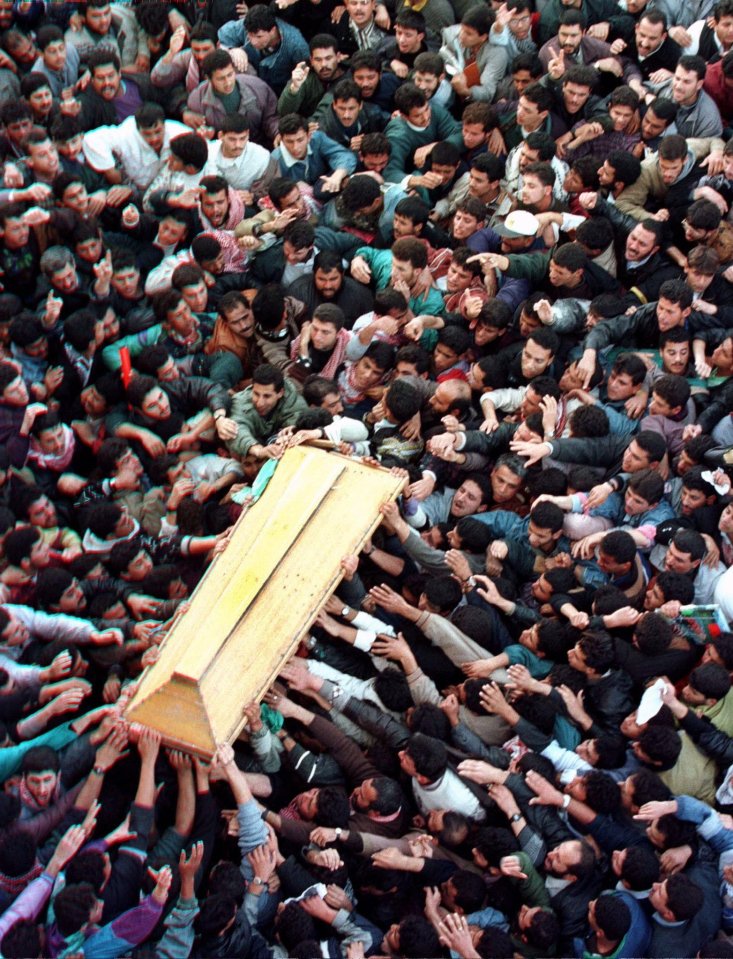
<point>418,939</point>
<point>73,906</point>
<point>428,755</point>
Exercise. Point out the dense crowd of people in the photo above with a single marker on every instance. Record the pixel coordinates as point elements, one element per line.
<point>485,245</point>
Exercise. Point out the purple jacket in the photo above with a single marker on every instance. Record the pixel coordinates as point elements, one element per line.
<point>257,102</point>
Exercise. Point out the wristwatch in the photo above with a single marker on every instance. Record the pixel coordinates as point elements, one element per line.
<point>338,830</point>
<point>516,817</point>
<point>258,882</point>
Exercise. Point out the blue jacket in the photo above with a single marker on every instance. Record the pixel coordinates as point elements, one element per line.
<point>323,157</point>
<point>275,68</point>
<point>637,939</point>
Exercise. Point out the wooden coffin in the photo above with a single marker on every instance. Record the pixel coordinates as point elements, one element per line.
<point>259,597</point>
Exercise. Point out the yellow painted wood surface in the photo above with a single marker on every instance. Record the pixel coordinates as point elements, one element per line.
<point>260,597</point>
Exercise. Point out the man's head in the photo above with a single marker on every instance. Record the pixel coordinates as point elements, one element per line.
<point>658,117</point>
<point>409,257</point>
<point>526,68</point>
<point>545,527</point>
<point>172,310</point>
<point>507,478</point>
<point>328,274</point>
<point>475,26</point>
<point>413,105</point>
<point>423,758</point>
<point>36,90</point>
<point>518,231</point>
<point>268,388</point>
<point>674,304</point>
<point>707,685</point>
<point>98,16</point>
<point>13,391</point>
<point>203,41</point>
<point>675,351</point>
<point>327,320</point>
<point>324,56</point>
<point>346,103</point>
<point>702,265</point>
<point>685,552</point>
<point>471,497</point>
<point>619,170</point>
<point>577,85</point>
<point>219,68</point>
<point>702,222</point>
<point>261,26</point>
<point>696,492</point>
<point>484,176</point>
<point>572,860</point>
<point>650,32</point>
<point>570,32</point>
<point>366,70</point>
<point>104,67</point>
<point>689,76</point>
<point>672,156</point>
<point>538,182</point>
<point>150,123</point>
<point>538,352</point>
<point>643,241</point>
<point>533,107</point>
<point>617,553</point>
<point>409,31</point>
<point>645,450</point>
<point>215,200</point>
<point>476,122</point>
<point>428,72</point>
<point>361,12</point>
<point>40,771</point>
<point>236,311</point>
<point>294,134</point>
<point>626,377</point>
<point>670,395</point>
<point>677,898</point>
<point>567,266</point>
<point>451,397</point>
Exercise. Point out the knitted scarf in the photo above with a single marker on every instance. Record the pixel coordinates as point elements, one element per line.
<point>14,885</point>
<point>57,463</point>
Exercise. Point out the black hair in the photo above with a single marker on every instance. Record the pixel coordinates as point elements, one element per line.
<point>711,680</point>
<point>661,744</point>
<point>602,792</point>
<point>268,375</point>
<point>403,400</point>
<point>612,916</point>
<point>640,868</point>
<point>685,898</point>
<point>87,866</point>
<point>429,756</point>
<point>21,940</point>
<point>598,651</point>
<point>653,634</point>
<point>443,592</point>
<point>73,906</point>
<point>333,807</point>
<point>611,751</point>
<point>392,688</point>
<point>418,939</point>
<point>619,545</point>
<point>470,890</point>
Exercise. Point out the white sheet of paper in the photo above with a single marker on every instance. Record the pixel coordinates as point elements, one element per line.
<point>651,703</point>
